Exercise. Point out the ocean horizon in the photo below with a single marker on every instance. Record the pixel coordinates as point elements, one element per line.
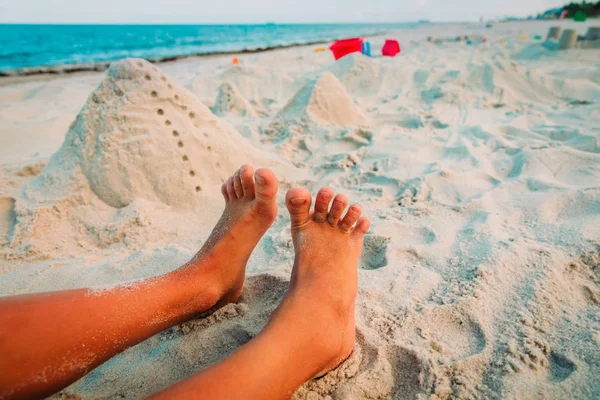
<point>26,47</point>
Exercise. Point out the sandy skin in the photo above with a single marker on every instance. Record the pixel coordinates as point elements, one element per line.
<point>327,250</point>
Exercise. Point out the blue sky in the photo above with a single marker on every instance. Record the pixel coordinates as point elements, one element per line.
<point>260,11</point>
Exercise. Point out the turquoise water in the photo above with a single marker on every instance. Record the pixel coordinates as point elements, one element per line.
<point>26,46</point>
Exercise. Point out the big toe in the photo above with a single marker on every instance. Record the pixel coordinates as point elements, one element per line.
<point>265,192</point>
<point>246,173</point>
<point>298,204</point>
<point>266,184</point>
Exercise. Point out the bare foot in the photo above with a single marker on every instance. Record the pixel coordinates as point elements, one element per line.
<point>321,298</point>
<point>312,331</point>
<point>250,209</point>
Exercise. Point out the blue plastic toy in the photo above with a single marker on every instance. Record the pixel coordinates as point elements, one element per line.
<point>469,42</point>
<point>366,48</point>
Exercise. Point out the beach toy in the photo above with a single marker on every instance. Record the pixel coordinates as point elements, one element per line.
<point>580,16</point>
<point>538,37</point>
<point>501,41</point>
<point>483,40</point>
<point>524,37</point>
<point>366,48</point>
<point>554,32</point>
<point>345,47</point>
<point>390,48</point>
<point>235,60</point>
<point>430,38</point>
<point>469,42</point>
<point>568,40</point>
<point>319,49</point>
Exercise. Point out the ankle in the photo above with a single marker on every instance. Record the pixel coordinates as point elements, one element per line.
<point>320,334</point>
<point>197,286</point>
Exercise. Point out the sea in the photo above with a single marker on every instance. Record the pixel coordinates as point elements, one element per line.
<point>26,47</point>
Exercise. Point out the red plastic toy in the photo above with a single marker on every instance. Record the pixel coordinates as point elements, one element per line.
<point>345,47</point>
<point>390,48</point>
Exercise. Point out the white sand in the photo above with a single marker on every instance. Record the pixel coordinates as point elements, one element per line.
<point>478,165</point>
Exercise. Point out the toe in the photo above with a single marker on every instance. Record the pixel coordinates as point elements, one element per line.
<point>350,218</point>
<point>337,208</point>
<point>224,191</point>
<point>237,184</point>
<point>362,226</point>
<point>265,190</point>
<point>247,177</point>
<point>266,184</point>
<point>298,204</point>
<point>230,190</point>
<point>322,204</point>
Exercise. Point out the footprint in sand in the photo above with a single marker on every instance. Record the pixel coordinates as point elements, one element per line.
<point>450,333</point>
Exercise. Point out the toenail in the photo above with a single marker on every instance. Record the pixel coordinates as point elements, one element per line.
<point>298,201</point>
<point>260,179</point>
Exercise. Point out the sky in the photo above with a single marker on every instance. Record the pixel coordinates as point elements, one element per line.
<point>261,11</point>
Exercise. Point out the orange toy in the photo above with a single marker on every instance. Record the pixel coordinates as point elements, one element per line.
<point>235,61</point>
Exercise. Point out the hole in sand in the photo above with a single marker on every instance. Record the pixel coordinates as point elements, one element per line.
<point>218,164</point>
<point>148,77</point>
<point>198,188</point>
<point>560,367</point>
<point>175,133</point>
<point>160,111</point>
<point>192,115</point>
<point>170,86</point>
<point>192,173</point>
<point>184,107</point>
<point>140,64</point>
<point>374,254</point>
<point>180,143</point>
<point>167,122</point>
<point>176,97</point>
<point>154,94</point>
<point>163,78</point>
<point>8,219</point>
<point>205,134</point>
<point>185,158</point>
<point>209,148</point>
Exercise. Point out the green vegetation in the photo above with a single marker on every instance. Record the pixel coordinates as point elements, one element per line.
<point>591,9</point>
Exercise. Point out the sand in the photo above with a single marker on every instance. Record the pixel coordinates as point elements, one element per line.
<point>479,167</point>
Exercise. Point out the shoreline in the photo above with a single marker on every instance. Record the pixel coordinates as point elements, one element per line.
<point>101,66</point>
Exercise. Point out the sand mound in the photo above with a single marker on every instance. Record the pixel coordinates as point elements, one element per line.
<point>140,135</point>
<point>324,101</point>
<point>261,86</point>
<point>508,83</point>
<point>230,101</point>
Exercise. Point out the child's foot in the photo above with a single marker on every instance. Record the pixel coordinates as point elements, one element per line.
<point>250,209</point>
<point>321,299</point>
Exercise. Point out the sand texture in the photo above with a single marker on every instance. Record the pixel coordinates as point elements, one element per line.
<point>479,167</point>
